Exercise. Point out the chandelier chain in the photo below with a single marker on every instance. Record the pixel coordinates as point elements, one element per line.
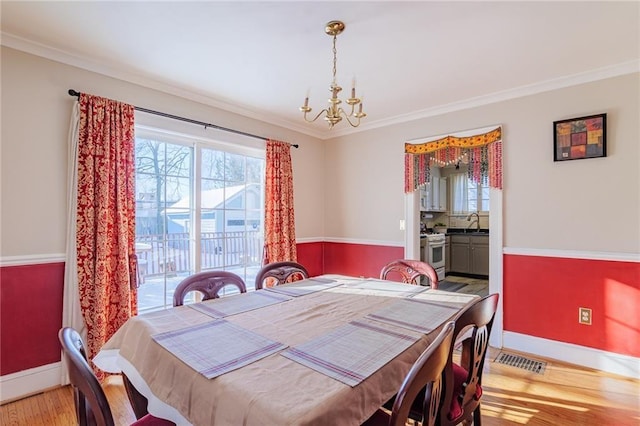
<point>335,59</point>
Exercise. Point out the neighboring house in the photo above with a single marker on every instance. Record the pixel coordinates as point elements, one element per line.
<point>230,209</point>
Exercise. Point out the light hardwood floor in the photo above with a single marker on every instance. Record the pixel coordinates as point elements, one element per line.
<point>563,395</point>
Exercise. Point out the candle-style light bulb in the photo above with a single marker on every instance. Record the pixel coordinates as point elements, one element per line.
<point>353,87</point>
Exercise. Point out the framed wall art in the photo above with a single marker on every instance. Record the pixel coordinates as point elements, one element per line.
<point>578,138</point>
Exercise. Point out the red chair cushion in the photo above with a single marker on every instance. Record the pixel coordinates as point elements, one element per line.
<point>150,420</point>
<point>459,377</point>
<point>379,418</point>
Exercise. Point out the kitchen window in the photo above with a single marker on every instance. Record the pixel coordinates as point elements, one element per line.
<point>199,206</point>
<point>468,196</point>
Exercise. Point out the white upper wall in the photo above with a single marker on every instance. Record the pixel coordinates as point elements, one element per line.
<point>348,188</point>
<point>36,111</point>
<point>583,205</point>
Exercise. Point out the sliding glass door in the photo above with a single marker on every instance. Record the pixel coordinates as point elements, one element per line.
<point>199,207</point>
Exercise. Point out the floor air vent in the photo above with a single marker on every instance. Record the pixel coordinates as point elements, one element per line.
<point>521,362</point>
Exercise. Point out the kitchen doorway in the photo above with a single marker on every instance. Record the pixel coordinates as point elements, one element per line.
<point>412,236</point>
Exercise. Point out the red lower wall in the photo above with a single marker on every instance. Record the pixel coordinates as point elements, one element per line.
<point>310,255</point>
<point>542,295</point>
<point>358,259</point>
<point>30,316</point>
<point>541,298</point>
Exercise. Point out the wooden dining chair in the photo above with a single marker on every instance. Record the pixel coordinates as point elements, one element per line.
<point>473,326</point>
<point>410,271</point>
<point>281,272</point>
<point>209,283</point>
<point>92,406</point>
<point>463,381</point>
<point>424,379</point>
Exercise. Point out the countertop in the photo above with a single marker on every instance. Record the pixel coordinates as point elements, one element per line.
<point>453,231</point>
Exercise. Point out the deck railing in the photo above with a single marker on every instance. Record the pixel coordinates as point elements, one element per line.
<point>171,253</point>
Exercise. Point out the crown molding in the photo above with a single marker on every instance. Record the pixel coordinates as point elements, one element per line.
<point>58,55</point>
<point>48,52</point>
<point>616,70</point>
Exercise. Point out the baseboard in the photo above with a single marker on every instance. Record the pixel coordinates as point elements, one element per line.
<point>29,382</point>
<point>597,359</point>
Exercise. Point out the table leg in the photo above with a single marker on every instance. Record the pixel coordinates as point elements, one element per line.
<point>138,401</point>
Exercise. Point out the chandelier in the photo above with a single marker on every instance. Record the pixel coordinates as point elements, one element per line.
<point>334,112</point>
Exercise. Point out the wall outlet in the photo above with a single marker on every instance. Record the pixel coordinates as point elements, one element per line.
<point>402,225</point>
<point>584,316</point>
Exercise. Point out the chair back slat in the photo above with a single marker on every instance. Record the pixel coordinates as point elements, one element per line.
<point>425,374</point>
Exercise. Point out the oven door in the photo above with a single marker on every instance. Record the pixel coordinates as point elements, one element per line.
<point>436,254</point>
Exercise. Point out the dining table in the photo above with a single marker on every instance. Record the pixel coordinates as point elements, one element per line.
<point>327,350</point>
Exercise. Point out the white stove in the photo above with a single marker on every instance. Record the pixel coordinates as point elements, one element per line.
<point>433,252</point>
<point>433,237</point>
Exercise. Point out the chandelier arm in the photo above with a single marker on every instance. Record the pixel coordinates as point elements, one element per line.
<point>316,117</point>
<point>349,120</point>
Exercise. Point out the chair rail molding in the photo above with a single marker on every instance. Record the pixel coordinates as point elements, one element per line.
<point>35,259</point>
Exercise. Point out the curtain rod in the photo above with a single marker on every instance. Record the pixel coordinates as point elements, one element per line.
<point>188,120</point>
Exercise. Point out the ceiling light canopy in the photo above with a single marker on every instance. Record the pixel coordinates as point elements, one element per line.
<point>333,113</point>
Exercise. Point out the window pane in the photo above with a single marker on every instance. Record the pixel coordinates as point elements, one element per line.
<point>163,220</point>
<point>178,160</point>
<point>234,168</point>
<point>238,209</point>
<point>485,199</point>
<point>255,170</point>
<point>235,197</point>
<point>212,239</point>
<point>212,164</point>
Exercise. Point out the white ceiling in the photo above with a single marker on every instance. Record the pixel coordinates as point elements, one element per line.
<point>410,59</point>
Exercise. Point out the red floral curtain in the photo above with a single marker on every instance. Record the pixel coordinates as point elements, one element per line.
<point>105,236</point>
<point>483,153</point>
<point>279,222</point>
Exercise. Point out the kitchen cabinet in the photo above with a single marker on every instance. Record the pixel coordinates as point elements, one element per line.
<point>442,194</point>
<point>460,258</point>
<point>425,201</point>
<point>470,254</point>
<point>433,195</point>
<point>479,248</point>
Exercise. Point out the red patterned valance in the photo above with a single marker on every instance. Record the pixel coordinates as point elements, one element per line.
<point>482,152</point>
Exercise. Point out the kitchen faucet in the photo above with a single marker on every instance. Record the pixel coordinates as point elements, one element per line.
<point>477,221</point>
